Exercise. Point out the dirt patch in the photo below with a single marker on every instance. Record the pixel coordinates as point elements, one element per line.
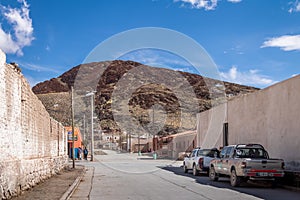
<point>54,187</point>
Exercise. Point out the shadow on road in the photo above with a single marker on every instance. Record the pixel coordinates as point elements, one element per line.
<point>259,190</point>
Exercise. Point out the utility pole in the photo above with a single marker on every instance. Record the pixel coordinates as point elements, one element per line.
<point>83,126</point>
<point>154,141</point>
<point>92,111</point>
<point>92,94</point>
<point>73,131</point>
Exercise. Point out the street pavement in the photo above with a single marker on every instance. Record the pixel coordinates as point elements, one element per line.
<point>119,176</point>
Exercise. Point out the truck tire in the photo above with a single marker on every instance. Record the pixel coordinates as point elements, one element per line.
<point>274,183</point>
<point>195,171</point>
<point>212,174</point>
<point>234,179</point>
<point>185,170</point>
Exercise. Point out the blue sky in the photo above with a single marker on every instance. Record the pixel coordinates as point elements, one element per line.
<point>252,42</point>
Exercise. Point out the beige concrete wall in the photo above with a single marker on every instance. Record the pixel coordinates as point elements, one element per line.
<point>182,142</point>
<point>178,144</point>
<point>210,127</point>
<point>270,117</point>
<point>32,145</point>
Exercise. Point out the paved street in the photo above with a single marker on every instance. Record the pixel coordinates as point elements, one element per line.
<point>128,176</point>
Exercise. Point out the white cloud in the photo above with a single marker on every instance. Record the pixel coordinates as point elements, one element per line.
<point>295,6</point>
<point>251,77</point>
<point>285,42</point>
<point>205,4</point>
<point>199,4</point>
<point>38,68</point>
<point>234,1</point>
<point>21,28</point>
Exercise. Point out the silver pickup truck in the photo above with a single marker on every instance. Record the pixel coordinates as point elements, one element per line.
<point>199,160</point>
<point>246,162</point>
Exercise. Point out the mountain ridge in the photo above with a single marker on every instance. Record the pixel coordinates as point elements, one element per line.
<point>116,75</point>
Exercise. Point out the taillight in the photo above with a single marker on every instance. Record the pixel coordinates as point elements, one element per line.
<point>243,165</point>
<point>200,162</point>
<point>282,165</point>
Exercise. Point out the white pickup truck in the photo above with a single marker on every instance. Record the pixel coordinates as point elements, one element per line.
<point>246,161</point>
<point>199,160</point>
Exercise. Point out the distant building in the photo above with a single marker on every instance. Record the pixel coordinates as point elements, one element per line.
<point>77,140</point>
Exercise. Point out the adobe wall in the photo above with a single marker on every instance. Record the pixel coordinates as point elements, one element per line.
<point>270,117</point>
<point>32,145</point>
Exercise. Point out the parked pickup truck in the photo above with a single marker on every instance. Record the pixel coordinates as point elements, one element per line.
<point>246,161</point>
<point>199,160</point>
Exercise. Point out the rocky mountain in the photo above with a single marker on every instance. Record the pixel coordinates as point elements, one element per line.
<point>129,95</point>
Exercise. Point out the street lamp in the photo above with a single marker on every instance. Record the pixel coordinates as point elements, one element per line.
<point>73,131</point>
<point>92,94</point>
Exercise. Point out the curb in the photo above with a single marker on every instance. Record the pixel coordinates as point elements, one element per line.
<point>74,186</point>
<point>296,189</point>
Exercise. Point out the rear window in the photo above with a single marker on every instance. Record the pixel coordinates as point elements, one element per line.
<point>251,153</point>
<point>209,152</point>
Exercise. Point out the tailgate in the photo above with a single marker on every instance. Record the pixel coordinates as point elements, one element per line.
<point>272,164</point>
<point>265,167</point>
<point>207,161</point>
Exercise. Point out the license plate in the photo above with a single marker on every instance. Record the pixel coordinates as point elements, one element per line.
<point>263,174</point>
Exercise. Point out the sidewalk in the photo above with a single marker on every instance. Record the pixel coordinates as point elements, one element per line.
<point>82,187</point>
<point>53,187</point>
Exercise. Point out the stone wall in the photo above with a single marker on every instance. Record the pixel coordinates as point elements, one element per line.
<point>32,144</point>
<point>269,117</point>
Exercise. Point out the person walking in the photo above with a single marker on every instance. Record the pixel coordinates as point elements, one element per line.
<point>79,153</point>
<point>85,153</point>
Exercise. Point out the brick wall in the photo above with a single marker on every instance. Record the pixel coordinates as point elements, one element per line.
<point>32,145</point>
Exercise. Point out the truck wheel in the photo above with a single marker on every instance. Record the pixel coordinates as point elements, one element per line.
<point>213,175</point>
<point>195,171</point>
<point>274,184</point>
<point>185,170</point>
<point>234,179</point>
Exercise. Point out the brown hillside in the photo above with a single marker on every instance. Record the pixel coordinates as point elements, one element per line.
<point>122,77</point>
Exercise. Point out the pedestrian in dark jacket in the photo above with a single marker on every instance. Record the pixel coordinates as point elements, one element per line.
<point>85,153</point>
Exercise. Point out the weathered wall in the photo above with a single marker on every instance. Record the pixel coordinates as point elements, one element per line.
<point>32,145</point>
<point>211,122</point>
<point>173,146</point>
<point>270,117</point>
<point>183,142</point>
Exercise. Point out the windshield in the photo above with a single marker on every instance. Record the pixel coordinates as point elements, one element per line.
<point>251,153</point>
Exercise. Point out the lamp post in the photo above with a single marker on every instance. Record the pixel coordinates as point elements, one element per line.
<point>73,131</point>
<point>92,94</point>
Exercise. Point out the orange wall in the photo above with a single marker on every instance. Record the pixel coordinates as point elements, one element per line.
<point>77,143</point>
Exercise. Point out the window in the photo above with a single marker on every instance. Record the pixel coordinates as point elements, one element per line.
<point>193,153</point>
<point>200,153</point>
<point>228,152</point>
<point>223,152</point>
<point>251,153</point>
<point>211,152</point>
